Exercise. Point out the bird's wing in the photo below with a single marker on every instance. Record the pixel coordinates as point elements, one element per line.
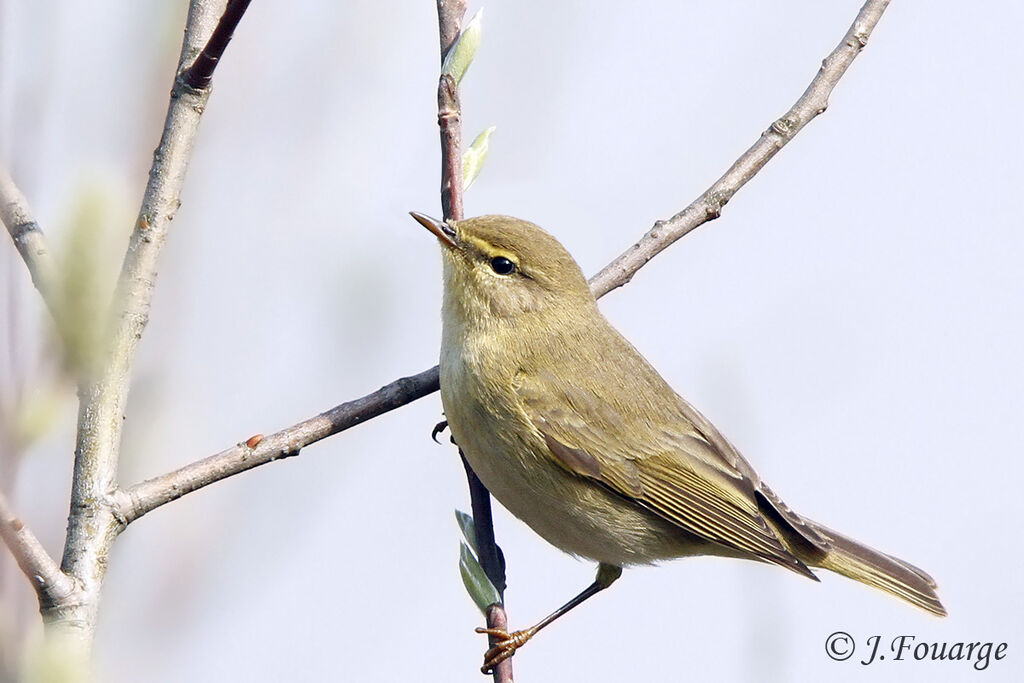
<point>686,472</point>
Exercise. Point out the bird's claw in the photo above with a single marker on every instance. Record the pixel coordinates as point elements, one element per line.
<point>438,428</point>
<point>505,646</point>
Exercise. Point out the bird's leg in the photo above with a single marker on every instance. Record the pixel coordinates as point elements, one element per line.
<point>505,643</point>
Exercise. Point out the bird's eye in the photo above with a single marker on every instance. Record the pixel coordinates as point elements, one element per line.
<point>502,265</point>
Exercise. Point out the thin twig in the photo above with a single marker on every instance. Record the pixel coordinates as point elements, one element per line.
<point>449,121</point>
<point>449,15</point>
<point>490,557</point>
<point>199,75</point>
<point>137,500</point>
<point>29,240</point>
<point>709,205</point>
<point>52,586</point>
<point>449,112</point>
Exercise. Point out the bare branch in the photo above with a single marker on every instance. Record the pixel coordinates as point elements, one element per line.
<point>50,583</point>
<point>29,240</point>
<point>709,205</point>
<point>151,494</point>
<point>92,523</point>
<point>449,21</point>
<point>199,75</point>
<point>449,112</point>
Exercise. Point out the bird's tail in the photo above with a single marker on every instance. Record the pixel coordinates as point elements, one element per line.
<point>885,572</point>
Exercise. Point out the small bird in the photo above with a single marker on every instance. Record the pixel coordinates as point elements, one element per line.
<point>577,435</point>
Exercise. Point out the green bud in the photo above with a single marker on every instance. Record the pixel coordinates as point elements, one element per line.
<point>468,528</point>
<point>473,158</point>
<point>477,584</point>
<point>461,54</point>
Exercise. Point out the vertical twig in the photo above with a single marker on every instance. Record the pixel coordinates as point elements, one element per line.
<point>491,561</point>
<point>449,113</point>
<point>449,120</point>
<point>490,557</point>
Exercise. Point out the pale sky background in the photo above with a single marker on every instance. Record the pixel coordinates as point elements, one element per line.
<point>853,322</point>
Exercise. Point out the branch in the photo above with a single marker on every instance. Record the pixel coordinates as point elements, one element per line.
<point>449,120</point>
<point>488,554</point>
<point>92,523</point>
<point>199,75</point>
<point>102,399</point>
<point>50,583</point>
<point>29,240</point>
<point>709,205</point>
<point>449,112</point>
<point>136,501</point>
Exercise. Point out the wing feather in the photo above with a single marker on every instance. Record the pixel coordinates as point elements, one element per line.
<point>678,473</point>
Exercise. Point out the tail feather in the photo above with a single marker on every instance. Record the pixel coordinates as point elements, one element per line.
<point>857,561</point>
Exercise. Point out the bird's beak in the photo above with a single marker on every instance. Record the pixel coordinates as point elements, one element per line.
<point>441,229</point>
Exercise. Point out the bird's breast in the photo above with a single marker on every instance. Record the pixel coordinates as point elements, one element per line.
<point>509,455</point>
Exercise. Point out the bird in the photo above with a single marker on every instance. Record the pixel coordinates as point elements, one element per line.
<point>575,433</point>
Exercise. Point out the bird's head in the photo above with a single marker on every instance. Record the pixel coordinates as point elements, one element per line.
<point>499,267</point>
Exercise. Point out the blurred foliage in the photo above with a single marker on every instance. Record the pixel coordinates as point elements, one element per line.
<point>49,660</point>
<point>92,237</point>
<point>88,262</point>
<point>36,413</point>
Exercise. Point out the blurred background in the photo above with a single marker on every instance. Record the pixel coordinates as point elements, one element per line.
<point>853,323</point>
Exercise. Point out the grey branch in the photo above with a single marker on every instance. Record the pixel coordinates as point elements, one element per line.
<point>709,205</point>
<point>259,450</point>
<point>50,583</point>
<point>29,240</point>
<point>155,492</point>
<point>92,522</point>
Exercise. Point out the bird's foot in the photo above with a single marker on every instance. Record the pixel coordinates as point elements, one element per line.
<point>438,428</point>
<point>505,645</point>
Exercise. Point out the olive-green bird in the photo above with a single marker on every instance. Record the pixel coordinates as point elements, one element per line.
<point>574,432</point>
